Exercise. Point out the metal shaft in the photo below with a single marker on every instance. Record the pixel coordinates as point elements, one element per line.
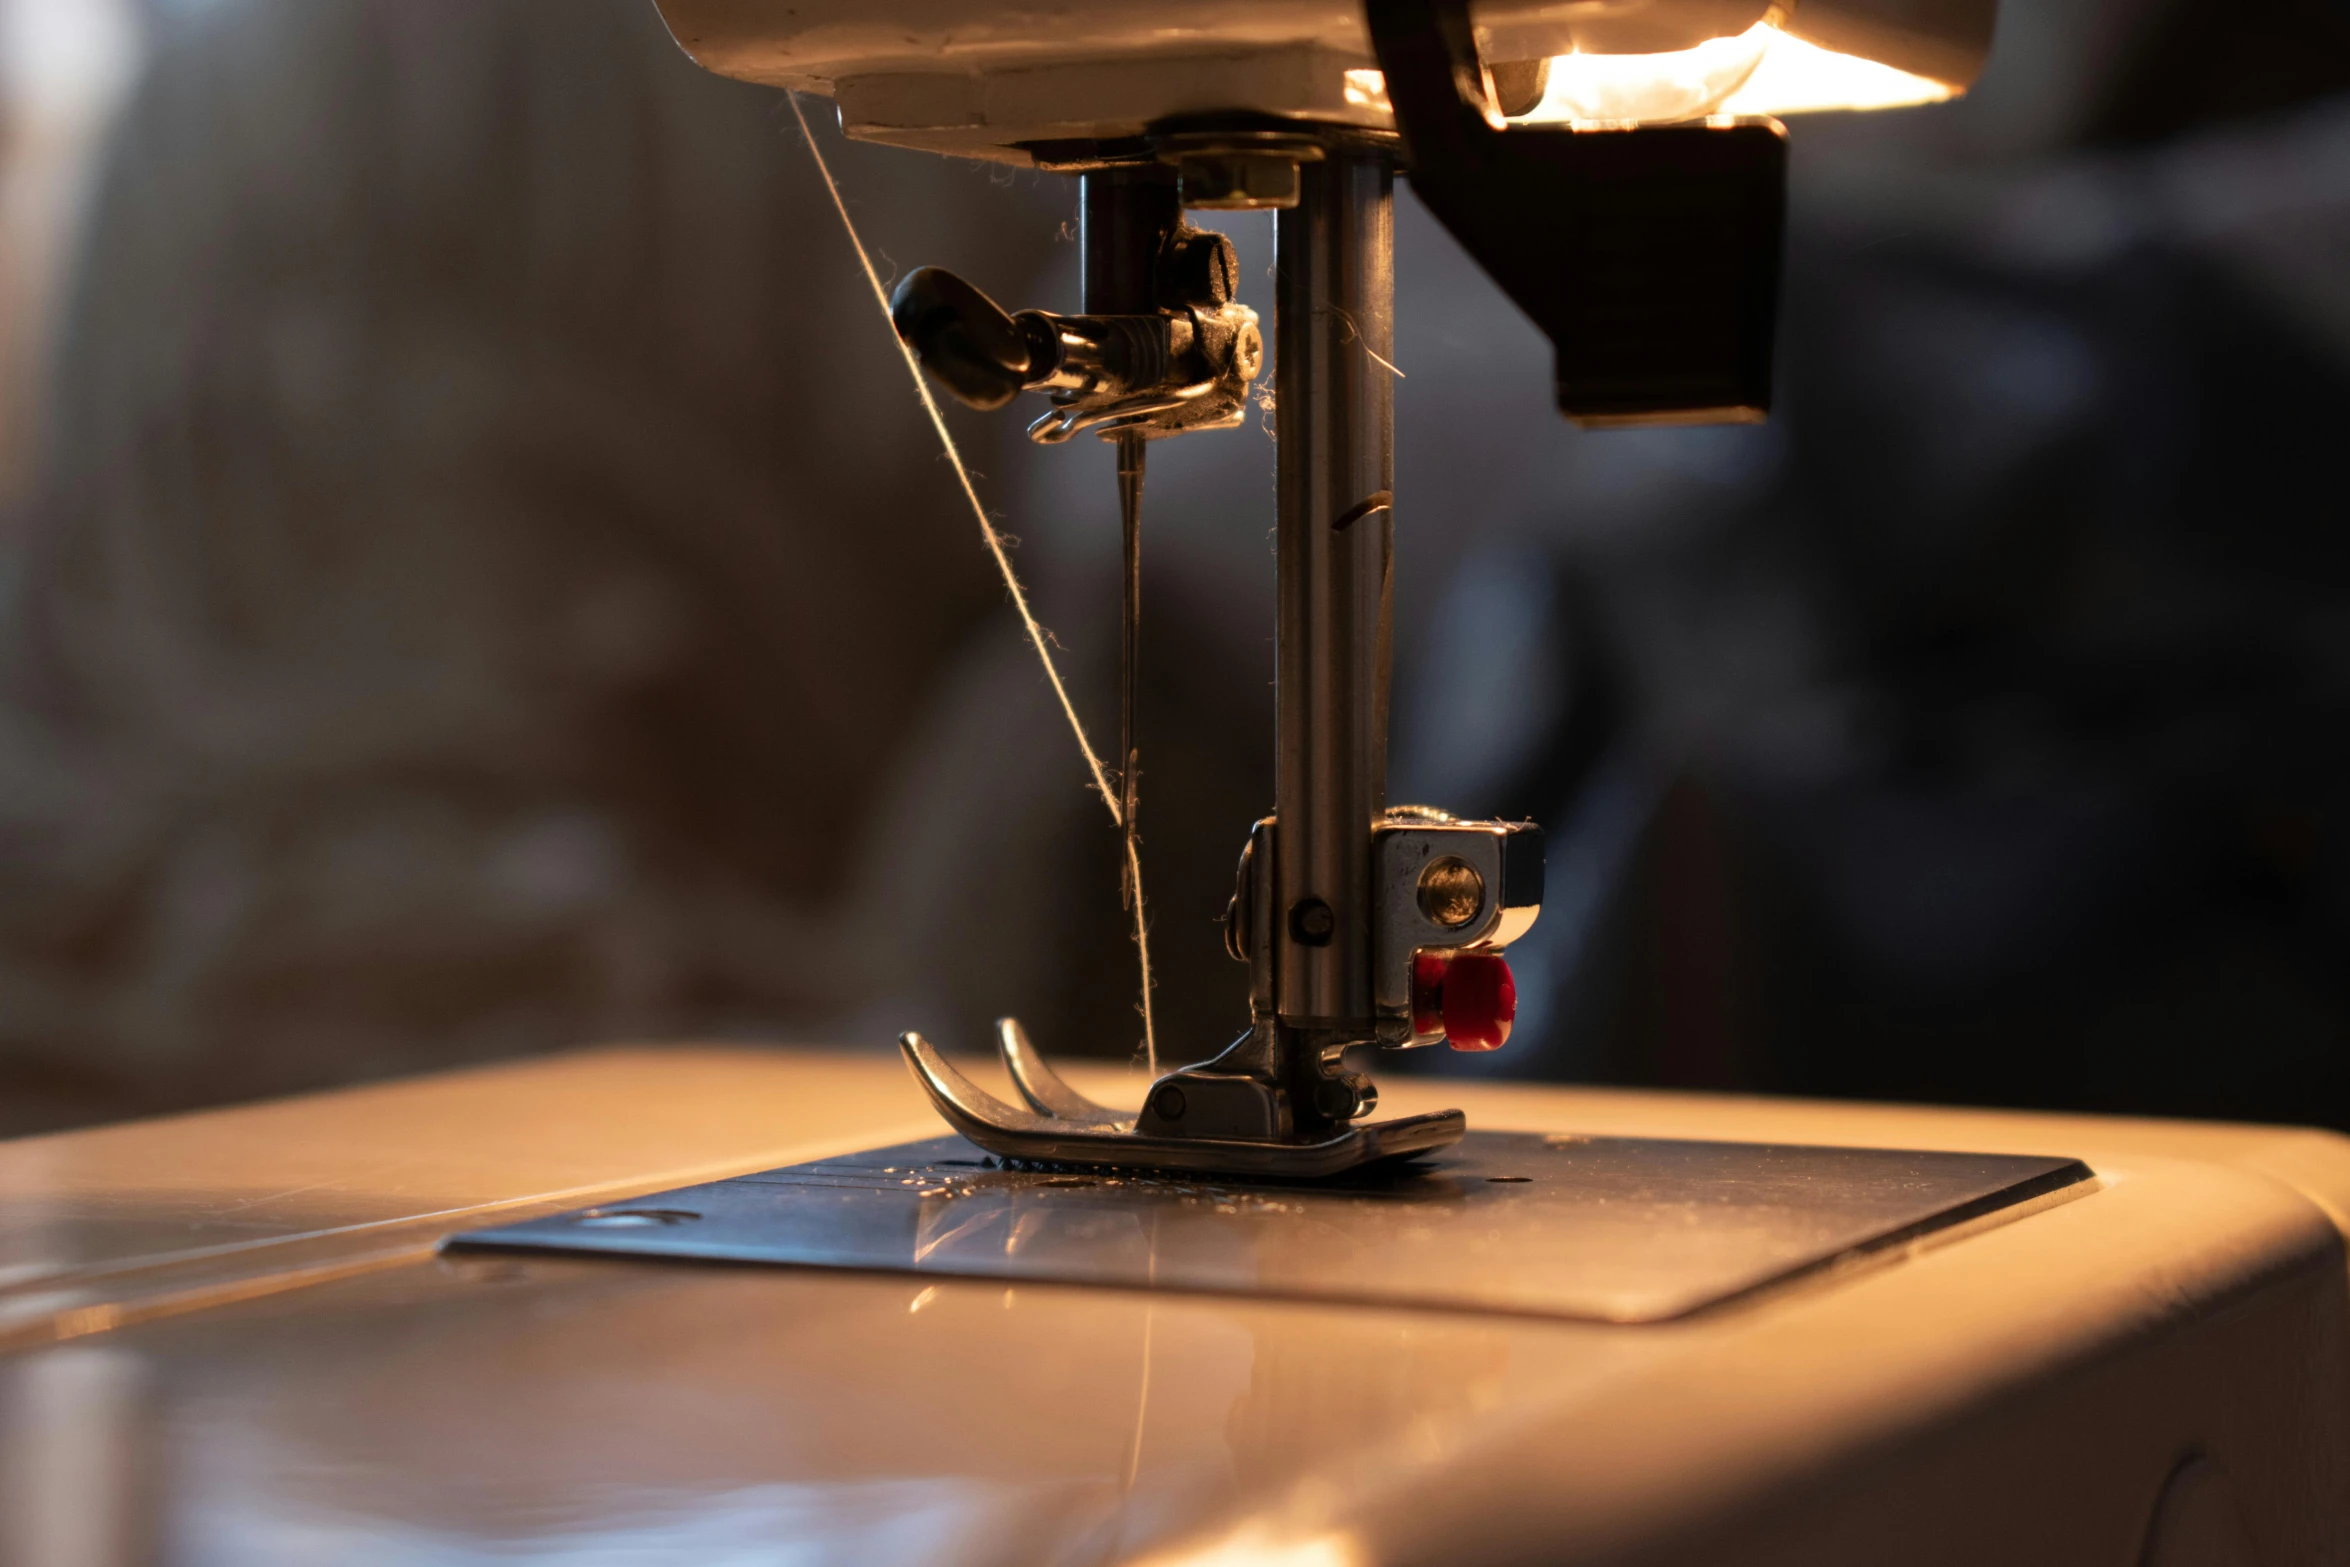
<point>1334,413</point>
<point>1124,216</point>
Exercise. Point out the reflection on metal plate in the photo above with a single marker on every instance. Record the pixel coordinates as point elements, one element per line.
<point>1612,1229</point>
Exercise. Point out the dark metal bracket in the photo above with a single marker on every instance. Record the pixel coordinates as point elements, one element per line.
<point>1649,255</point>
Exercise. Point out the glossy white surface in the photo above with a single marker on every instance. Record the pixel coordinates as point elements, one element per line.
<point>416,1410</point>
<point>157,1214</point>
<point>951,76</point>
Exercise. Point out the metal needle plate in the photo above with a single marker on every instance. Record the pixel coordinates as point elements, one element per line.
<point>1597,1228</point>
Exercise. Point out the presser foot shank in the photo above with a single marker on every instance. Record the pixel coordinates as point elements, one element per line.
<point>1062,1126</point>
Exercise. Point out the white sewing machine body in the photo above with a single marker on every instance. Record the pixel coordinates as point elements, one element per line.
<point>231,1339</point>
<point>983,81</point>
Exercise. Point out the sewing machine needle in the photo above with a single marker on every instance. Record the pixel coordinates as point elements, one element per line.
<point>1129,640</point>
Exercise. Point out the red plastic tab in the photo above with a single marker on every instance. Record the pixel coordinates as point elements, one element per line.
<point>1480,1002</point>
<point>1470,998</point>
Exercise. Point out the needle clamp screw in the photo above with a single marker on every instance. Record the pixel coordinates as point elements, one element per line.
<point>1311,923</point>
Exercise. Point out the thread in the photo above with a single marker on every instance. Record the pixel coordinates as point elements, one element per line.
<point>1003,563</point>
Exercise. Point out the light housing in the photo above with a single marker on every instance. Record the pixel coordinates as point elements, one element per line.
<point>985,80</point>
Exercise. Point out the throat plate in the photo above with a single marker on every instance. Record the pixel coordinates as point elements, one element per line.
<point>1609,1229</point>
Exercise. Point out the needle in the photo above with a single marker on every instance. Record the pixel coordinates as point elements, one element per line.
<point>1130,454</point>
<point>1129,627</point>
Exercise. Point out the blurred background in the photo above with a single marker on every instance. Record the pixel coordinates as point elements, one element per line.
<point>474,580</point>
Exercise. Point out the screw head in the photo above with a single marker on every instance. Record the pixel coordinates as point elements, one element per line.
<point>1451,892</point>
<point>1248,352</point>
<point>1198,268</point>
<point>1167,1102</point>
<point>1311,923</point>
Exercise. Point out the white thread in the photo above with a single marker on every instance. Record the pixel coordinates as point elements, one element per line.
<point>1037,636</point>
<point>1142,953</point>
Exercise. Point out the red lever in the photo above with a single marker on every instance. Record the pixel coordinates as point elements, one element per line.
<point>1469,998</point>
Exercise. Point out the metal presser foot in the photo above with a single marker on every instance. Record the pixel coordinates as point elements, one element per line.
<point>1062,1126</point>
<point>1445,897</point>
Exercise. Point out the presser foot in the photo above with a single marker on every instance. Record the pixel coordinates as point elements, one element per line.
<point>1062,1126</point>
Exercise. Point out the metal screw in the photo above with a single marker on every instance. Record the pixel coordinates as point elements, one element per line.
<point>1311,923</point>
<point>1451,892</point>
<point>1168,1102</point>
<point>1248,352</point>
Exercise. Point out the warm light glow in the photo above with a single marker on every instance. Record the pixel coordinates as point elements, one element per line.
<point>1258,1545</point>
<point>1368,90</point>
<point>1795,77</point>
<point>1760,71</point>
<point>1634,89</point>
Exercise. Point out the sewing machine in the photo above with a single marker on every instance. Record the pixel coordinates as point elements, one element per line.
<point>1647,251</point>
<point>1227,1315</point>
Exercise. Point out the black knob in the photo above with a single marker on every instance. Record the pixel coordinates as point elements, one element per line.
<point>978,353</point>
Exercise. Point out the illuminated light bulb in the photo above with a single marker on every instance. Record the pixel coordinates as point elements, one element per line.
<point>1651,89</point>
<point>1759,71</point>
<point>1795,77</point>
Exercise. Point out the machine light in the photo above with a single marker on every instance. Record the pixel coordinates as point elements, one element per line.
<point>1758,71</point>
